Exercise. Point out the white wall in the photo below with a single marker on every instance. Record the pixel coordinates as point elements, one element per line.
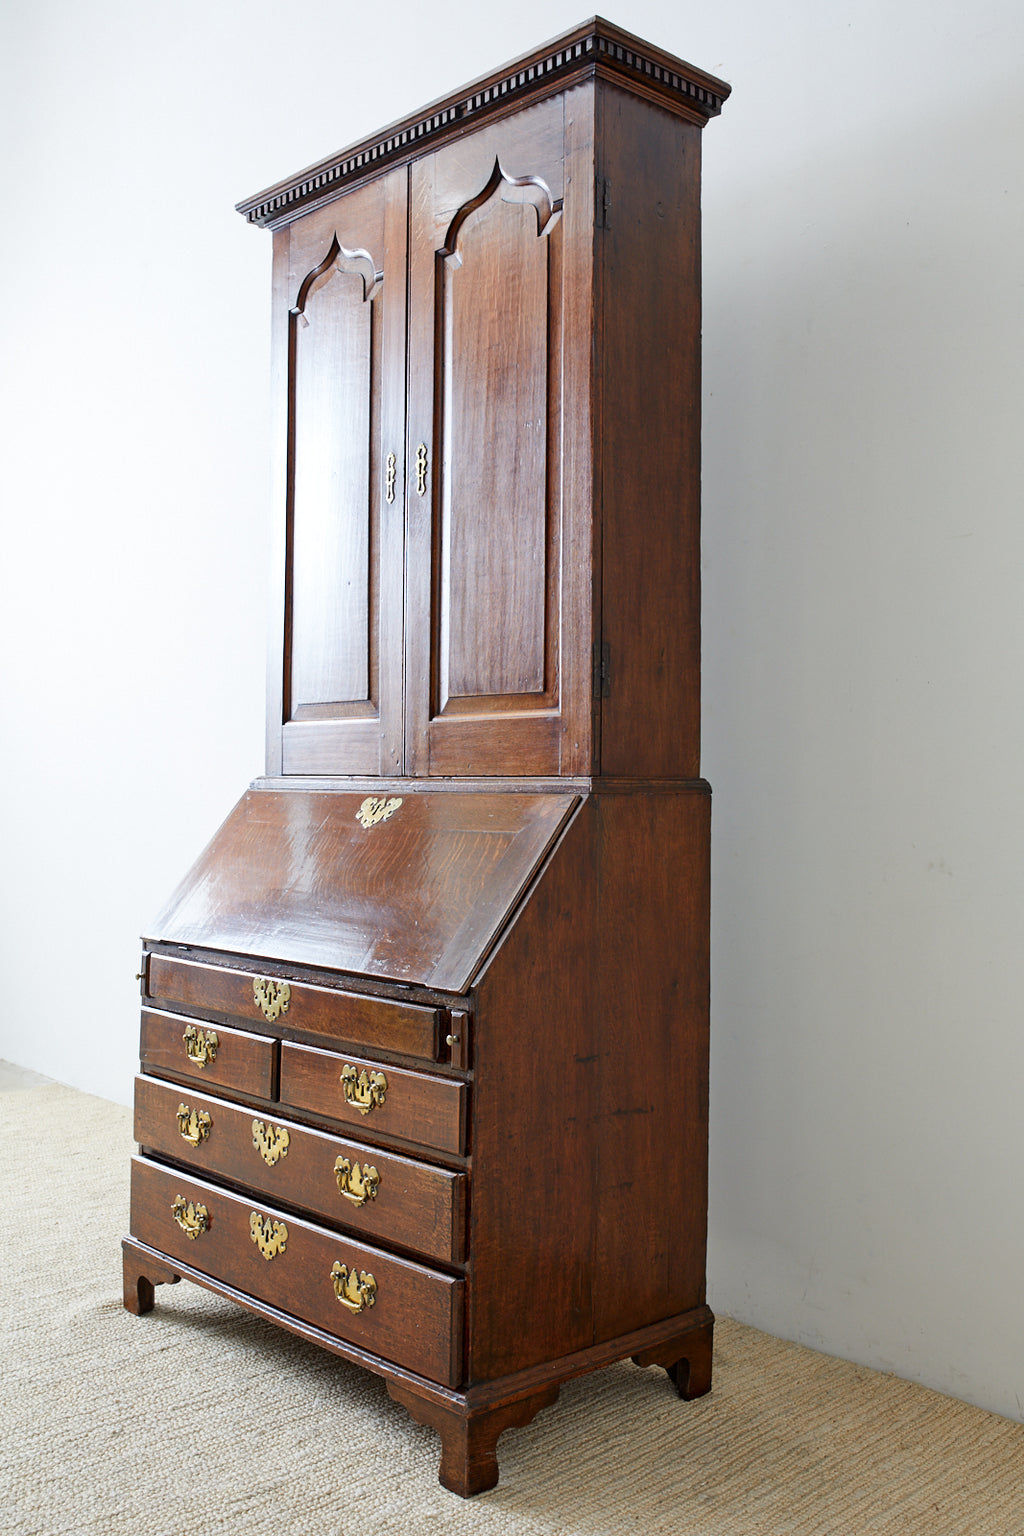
<point>864,329</point>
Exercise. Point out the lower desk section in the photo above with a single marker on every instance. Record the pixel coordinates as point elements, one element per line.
<point>411,1204</point>
<point>401,1311</point>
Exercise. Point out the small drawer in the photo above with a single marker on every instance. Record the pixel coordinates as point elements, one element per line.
<point>377,1193</point>
<point>428,1110</point>
<point>406,1028</point>
<point>400,1311</point>
<point>227,1058</point>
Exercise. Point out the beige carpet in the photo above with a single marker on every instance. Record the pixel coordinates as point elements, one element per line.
<point>199,1419</point>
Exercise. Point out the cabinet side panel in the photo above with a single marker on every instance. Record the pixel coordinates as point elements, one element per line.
<point>648,435</point>
<point>651,1122</point>
<point>531,1189</point>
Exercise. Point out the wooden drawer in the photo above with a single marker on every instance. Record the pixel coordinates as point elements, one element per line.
<point>381,1098</point>
<point>406,1028</point>
<point>415,1319</point>
<point>412,1204</point>
<point>229,1058</point>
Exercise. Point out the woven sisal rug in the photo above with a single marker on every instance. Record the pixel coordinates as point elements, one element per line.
<point>199,1419</point>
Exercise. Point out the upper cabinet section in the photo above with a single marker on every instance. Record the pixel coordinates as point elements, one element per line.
<point>444,602</point>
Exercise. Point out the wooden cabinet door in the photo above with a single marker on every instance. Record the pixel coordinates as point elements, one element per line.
<point>340,299</point>
<point>497,554</point>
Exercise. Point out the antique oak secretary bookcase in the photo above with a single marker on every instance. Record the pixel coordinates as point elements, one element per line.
<point>425,1028</point>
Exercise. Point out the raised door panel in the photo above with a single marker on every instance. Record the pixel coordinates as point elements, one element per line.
<point>341,322</point>
<point>490,614</point>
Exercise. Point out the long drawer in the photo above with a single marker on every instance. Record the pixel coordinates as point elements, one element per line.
<point>222,1057</point>
<point>409,1029</point>
<point>398,1310</point>
<point>376,1193</point>
<point>430,1111</point>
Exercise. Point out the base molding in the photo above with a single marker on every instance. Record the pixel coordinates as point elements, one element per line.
<point>470,1420</point>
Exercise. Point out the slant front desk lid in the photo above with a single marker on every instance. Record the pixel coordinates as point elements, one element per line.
<point>408,885</point>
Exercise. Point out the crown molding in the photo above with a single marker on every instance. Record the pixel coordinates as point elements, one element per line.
<point>596,48</point>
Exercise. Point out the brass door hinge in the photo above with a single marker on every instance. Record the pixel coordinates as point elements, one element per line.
<point>602,670</point>
<point>604,204</point>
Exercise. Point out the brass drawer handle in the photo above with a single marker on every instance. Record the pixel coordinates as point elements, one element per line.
<point>200,1045</point>
<point>194,1125</point>
<point>270,1236</point>
<point>353,1291</point>
<point>271,1142</point>
<point>364,1091</point>
<point>191,1218</point>
<point>271,997</point>
<point>358,1182</point>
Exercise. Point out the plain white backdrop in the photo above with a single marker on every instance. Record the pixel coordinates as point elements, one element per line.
<point>863,544</point>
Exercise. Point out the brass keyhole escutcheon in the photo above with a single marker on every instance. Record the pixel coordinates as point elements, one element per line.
<point>270,1236</point>
<point>271,1142</point>
<point>421,470</point>
<point>377,808</point>
<point>271,997</point>
<point>389,478</point>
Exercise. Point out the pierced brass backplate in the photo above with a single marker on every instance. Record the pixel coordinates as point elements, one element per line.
<point>363,1090</point>
<point>389,479</point>
<point>270,1236</point>
<point>271,997</point>
<point>358,1182</point>
<point>191,1218</point>
<point>194,1125</point>
<point>270,1141</point>
<point>374,809</point>
<point>200,1045</point>
<point>353,1291</point>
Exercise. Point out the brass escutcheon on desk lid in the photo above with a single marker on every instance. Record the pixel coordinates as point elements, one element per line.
<point>194,1125</point>
<point>270,1236</point>
<point>271,997</point>
<point>191,1217</point>
<point>271,1141</point>
<point>354,1291</point>
<point>200,1045</point>
<point>377,808</point>
<point>363,1090</point>
<point>358,1182</point>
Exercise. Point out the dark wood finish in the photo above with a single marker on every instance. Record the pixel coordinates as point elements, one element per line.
<point>341,395</point>
<point>469,1440</point>
<point>416,1319</point>
<point>428,1110</point>
<point>594,49</point>
<point>480,857</point>
<point>244,1062</point>
<point>604,1088</point>
<point>416,1204</point>
<point>647,431</point>
<point>486,340</point>
<point>687,1360</point>
<point>406,1028</point>
<point>140,1279</point>
<point>420,897</point>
